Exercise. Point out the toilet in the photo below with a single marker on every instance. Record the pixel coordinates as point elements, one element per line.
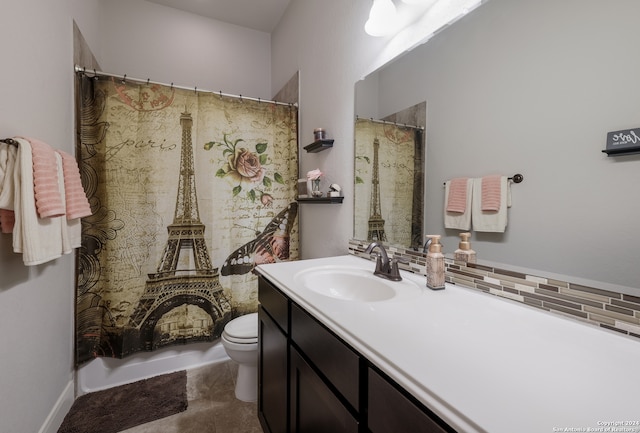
<point>240,341</point>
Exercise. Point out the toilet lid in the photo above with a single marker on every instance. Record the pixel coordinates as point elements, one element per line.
<point>239,340</point>
<point>243,328</point>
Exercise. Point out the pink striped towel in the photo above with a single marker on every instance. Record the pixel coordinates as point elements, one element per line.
<point>75,196</point>
<point>457,199</point>
<point>45,180</point>
<point>491,191</point>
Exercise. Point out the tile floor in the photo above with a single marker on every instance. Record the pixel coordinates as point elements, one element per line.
<point>213,407</point>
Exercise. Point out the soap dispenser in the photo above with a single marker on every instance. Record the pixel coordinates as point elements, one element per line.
<point>435,264</point>
<point>464,253</point>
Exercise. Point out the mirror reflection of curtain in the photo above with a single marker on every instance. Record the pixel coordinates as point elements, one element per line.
<point>399,180</point>
<point>189,191</point>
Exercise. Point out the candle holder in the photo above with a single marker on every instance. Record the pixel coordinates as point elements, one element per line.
<point>315,188</point>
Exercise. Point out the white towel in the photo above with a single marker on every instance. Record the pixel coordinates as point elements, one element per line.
<point>490,221</point>
<point>456,220</point>
<point>38,239</point>
<point>7,163</point>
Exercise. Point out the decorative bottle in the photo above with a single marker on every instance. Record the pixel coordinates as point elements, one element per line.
<point>464,253</point>
<point>435,264</point>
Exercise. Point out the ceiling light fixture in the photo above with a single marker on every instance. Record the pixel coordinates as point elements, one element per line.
<point>382,18</point>
<point>417,2</point>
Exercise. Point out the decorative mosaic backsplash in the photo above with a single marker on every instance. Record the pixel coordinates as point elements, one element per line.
<point>615,311</point>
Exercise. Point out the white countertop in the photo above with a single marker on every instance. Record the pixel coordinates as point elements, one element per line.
<point>482,363</point>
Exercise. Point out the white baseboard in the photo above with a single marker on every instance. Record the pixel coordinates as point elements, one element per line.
<point>59,410</point>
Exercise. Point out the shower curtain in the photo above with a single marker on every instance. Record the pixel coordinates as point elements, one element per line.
<point>189,192</point>
<point>398,171</point>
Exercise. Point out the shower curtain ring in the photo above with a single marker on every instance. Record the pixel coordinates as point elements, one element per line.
<point>220,94</point>
<point>195,90</point>
<point>148,81</point>
<point>124,79</point>
<point>171,86</point>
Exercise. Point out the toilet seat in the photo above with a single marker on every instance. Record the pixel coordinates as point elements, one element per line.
<point>242,330</point>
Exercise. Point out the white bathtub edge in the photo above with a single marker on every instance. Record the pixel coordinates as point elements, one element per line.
<point>103,373</point>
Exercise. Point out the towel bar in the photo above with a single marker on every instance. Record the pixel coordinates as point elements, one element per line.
<point>516,178</point>
<point>10,141</point>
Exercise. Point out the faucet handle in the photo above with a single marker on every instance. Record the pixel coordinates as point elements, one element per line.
<point>394,261</point>
<point>394,269</point>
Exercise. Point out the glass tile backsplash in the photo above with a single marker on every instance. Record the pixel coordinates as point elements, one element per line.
<point>615,311</point>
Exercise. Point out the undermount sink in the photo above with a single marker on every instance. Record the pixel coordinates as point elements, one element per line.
<point>354,284</point>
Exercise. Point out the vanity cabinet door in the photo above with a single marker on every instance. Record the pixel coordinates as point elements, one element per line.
<point>314,406</point>
<point>272,375</point>
<point>390,411</point>
<point>273,359</point>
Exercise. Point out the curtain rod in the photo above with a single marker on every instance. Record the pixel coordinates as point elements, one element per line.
<point>388,122</point>
<point>82,70</point>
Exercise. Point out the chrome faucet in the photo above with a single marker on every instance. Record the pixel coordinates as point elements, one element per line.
<point>425,248</point>
<point>385,267</point>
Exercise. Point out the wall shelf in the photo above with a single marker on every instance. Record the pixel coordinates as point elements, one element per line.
<point>337,200</point>
<point>634,151</point>
<point>318,146</point>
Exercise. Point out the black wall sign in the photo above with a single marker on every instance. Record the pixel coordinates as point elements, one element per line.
<point>624,141</point>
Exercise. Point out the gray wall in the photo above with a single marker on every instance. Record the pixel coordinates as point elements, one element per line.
<point>147,40</point>
<point>36,303</point>
<point>326,42</point>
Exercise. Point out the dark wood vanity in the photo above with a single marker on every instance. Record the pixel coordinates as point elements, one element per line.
<point>311,381</point>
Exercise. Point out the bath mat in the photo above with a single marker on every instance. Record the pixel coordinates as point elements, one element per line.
<point>126,406</point>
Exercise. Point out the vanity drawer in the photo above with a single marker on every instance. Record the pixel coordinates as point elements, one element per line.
<point>334,359</point>
<point>274,303</point>
<point>391,411</point>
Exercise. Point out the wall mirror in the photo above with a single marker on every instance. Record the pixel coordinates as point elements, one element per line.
<point>503,97</point>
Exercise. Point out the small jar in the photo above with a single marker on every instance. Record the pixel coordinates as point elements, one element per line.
<point>315,188</point>
<point>319,134</point>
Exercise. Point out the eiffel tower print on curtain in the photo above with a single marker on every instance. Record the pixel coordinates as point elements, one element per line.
<point>376,223</point>
<point>185,275</point>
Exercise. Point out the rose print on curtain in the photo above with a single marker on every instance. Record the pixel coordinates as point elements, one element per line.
<point>245,166</point>
<point>189,191</point>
